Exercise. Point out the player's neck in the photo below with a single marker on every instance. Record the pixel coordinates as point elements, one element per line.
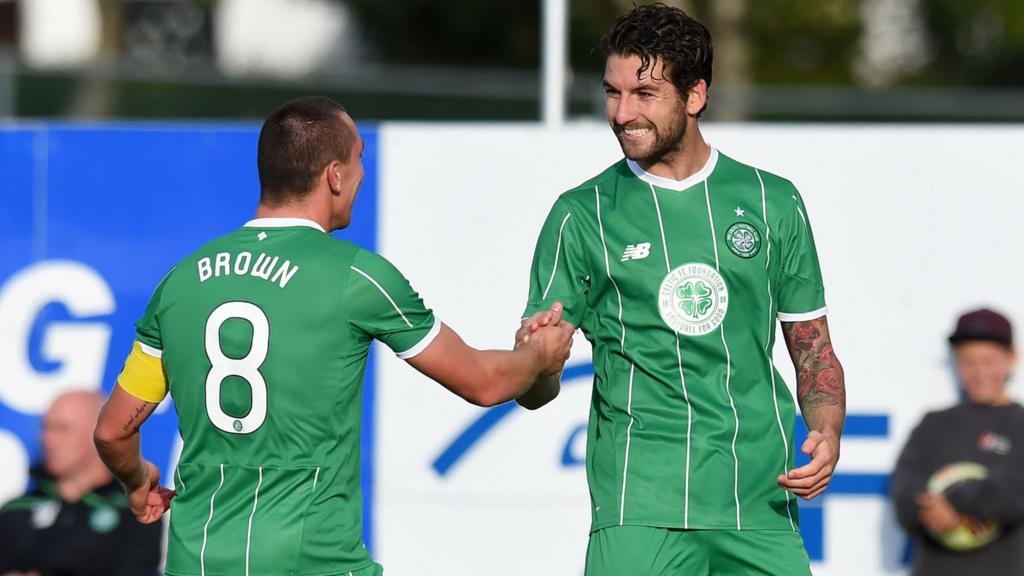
<point>307,211</point>
<point>683,163</point>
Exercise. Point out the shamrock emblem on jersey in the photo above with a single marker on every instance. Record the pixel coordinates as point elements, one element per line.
<point>693,299</point>
<point>743,240</point>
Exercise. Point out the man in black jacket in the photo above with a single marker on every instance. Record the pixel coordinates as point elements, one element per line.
<point>966,464</point>
<point>76,520</point>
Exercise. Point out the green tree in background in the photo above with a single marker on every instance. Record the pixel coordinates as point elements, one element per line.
<point>803,42</point>
<point>969,42</point>
<point>451,32</point>
<point>766,53</point>
<point>975,43</point>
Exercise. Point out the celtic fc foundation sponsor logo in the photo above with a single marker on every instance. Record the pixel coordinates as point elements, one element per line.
<point>743,240</point>
<point>693,299</point>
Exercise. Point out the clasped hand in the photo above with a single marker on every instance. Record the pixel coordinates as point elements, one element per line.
<point>549,331</point>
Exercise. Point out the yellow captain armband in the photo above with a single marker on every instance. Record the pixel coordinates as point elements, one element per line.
<point>143,374</point>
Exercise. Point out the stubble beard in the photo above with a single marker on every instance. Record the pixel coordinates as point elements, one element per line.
<point>668,140</point>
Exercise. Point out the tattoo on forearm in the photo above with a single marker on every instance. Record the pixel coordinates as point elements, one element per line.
<point>136,418</point>
<point>819,380</point>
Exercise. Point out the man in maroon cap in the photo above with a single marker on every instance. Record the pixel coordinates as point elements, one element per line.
<point>959,482</point>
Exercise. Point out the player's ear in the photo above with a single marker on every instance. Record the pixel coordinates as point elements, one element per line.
<point>697,97</point>
<point>334,177</point>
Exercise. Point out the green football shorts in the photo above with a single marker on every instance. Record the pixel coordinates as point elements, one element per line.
<point>650,551</point>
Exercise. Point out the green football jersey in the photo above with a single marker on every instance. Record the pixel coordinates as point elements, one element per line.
<point>264,335</point>
<point>678,286</point>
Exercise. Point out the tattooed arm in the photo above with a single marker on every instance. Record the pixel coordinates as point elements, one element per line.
<point>821,389</point>
<point>821,392</point>
<point>117,441</point>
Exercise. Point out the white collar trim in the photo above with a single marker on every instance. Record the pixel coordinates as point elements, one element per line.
<point>282,223</point>
<point>677,185</point>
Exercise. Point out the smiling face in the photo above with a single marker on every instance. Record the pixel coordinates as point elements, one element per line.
<point>646,112</point>
<point>984,369</point>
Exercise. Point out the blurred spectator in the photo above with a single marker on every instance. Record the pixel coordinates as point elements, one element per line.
<point>959,483</point>
<point>76,521</point>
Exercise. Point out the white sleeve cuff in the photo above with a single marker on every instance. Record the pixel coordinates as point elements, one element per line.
<point>422,344</point>
<point>803,316</point>
<point>150,351</point>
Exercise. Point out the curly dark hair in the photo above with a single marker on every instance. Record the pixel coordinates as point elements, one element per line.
<point>657,31</point>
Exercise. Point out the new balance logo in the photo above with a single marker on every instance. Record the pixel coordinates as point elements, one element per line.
<point>637,251</point>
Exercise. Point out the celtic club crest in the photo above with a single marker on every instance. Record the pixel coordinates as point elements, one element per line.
<point>743,240</point>
<point>693,299</point>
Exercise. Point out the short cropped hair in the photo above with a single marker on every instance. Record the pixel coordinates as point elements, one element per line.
<point>657,31</point>
<point>297,141</point>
